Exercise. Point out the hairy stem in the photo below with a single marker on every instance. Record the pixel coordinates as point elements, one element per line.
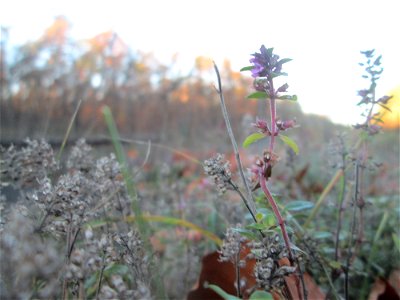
<point>263,179</point>
<point>273,122</point>
<point>277,214</point>
<point>281,223</point>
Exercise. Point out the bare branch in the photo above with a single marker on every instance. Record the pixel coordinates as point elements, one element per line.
<point>249,202</point>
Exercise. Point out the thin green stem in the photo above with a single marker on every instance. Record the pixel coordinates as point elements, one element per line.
<point>342,192</point>
<point>321,199</point>
<point>71,122</point>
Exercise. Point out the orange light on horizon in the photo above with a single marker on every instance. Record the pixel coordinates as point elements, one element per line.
<point>182,94</point>
<point>392,119</point>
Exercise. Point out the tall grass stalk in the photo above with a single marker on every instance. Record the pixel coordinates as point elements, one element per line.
<point>68,132</point>
<point>143,227</point>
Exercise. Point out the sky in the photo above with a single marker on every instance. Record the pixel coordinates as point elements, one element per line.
<point>324,38</point>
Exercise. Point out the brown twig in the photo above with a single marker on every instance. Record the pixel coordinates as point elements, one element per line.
<point>249,202</point>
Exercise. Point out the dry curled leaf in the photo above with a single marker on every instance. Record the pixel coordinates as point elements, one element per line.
<point>223,275</point>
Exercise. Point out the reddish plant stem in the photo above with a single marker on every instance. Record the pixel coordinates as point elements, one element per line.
<point>263,179</point>
<point>269,196</point>
<point>277,214</point>
<point>273,124</point>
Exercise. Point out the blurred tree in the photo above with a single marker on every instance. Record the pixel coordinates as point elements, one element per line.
<point>47,78</point>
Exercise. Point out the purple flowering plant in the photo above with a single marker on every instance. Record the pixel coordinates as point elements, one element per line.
<point>265,67</point>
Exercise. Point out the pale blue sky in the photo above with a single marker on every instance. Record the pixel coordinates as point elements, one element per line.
<point>322,37</point>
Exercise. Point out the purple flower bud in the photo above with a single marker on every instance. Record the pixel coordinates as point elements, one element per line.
<point>264,63</point>
<point>283,88</point>
<point>373,129</point>
<point>363,93</point>
<point>262,126</point>
<point>284,125</point>
<point>261,84</point>
<point>384,99</point>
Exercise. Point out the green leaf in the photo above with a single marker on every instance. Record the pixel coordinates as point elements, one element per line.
<point>378,120</point>
<point>284,61</point>
<point>385,107</point>
<point>259,217</point>
<point>396,241</point>
<point>258,95</point>
<point>252,138</point>
<point>269,51</point>
<point>277,74</point>
<point>288,97</point>
<point>322,235</point>
<point>98,223</point>
<point>288,141</point>
<point>245,232</point>
<point>299,205</point>
<point>221,292</point>
<point>294,247</point>
<point>257,226</point>
<point>248,68</point>
<point>116,269</point>
<point>270,220</point>
<point>91,284</point>
<point>257,252</point>
<point>335,264</point>
<point>177,222</point>
<point>261,295</point>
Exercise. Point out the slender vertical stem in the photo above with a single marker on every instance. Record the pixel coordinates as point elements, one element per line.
<point>250,203</point>
<point>81,293</point>
<point>71,123</point>
<point>352,230</point>
<point>235,187</point>
<point>67,259</point>
<point>277,214</point>
<point>273,123</point>
<point>340,213</point>
<point>237,264</point>
<point>271,200</point>
<point>101,276</point>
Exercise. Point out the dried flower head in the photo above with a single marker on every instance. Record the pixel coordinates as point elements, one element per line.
<point>28,258</point>
<point>131,251</point>
<point>25,166</point>
<point>107,174</point>
<point>81,157</point>
<point>71,197</point>
<point>219,170</point>
<point>269,274</point>
<point>232,245</point>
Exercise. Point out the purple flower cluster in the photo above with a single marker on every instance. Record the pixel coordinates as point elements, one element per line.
<point>265,63</point>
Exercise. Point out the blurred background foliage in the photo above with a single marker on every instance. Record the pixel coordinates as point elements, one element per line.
<point>42,82</point>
